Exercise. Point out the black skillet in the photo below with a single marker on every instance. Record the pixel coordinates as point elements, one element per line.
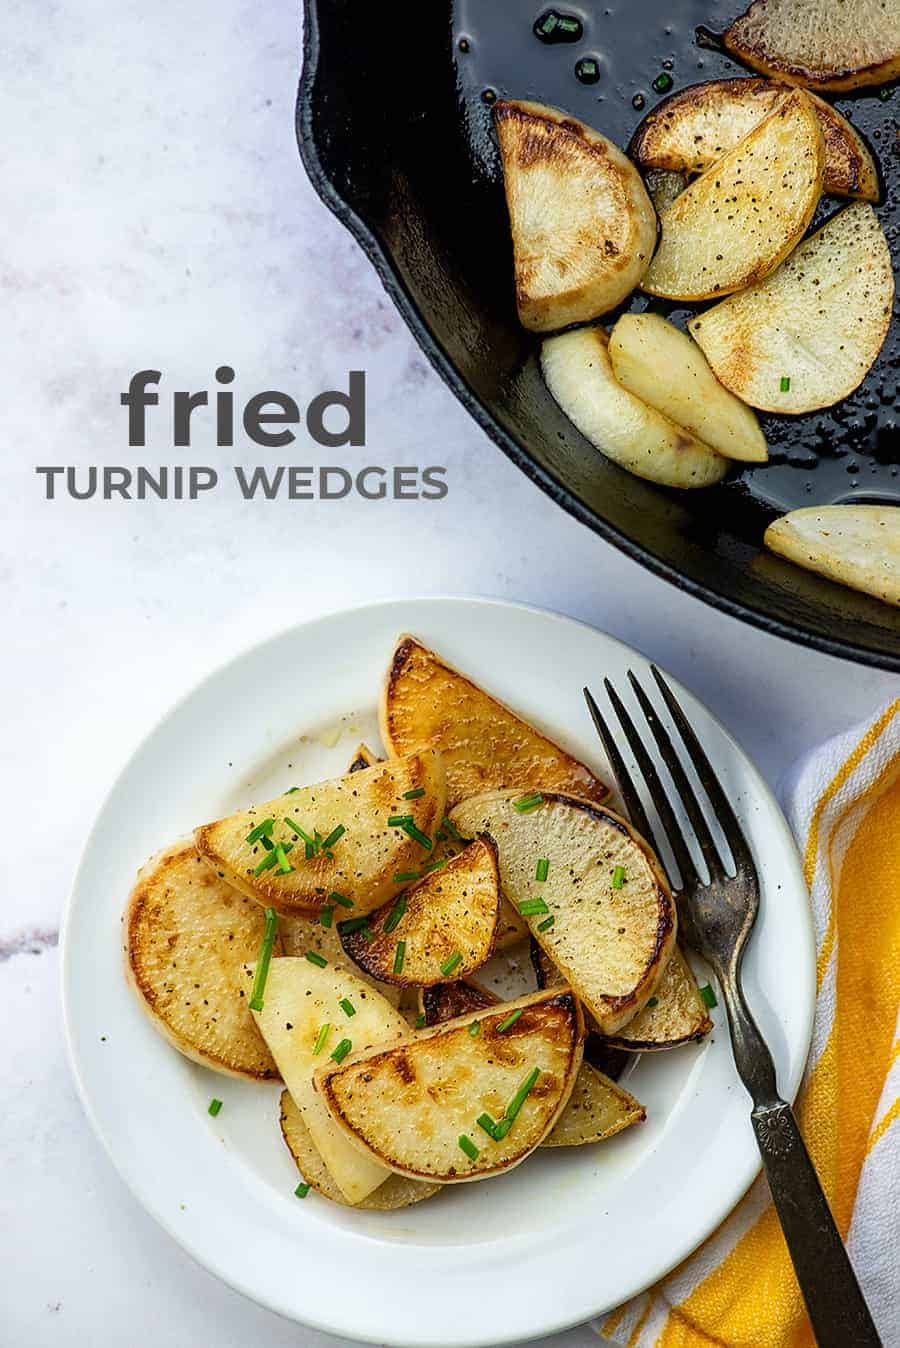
<point>394,127</point>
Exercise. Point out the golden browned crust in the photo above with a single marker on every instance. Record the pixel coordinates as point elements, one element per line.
<point>745,38</point>
<point>447,1001</point>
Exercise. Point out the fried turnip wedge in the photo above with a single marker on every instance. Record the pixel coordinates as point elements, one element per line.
<point>600,907</point>
<point>293,852</point>
<point>807,336</point>
<point>579,374</point>
<point>689,132</point>
<point>441,927</point>
<point>662,366</point>
<point>597,1107</point>
<point>309,1014</point>
<point>457,1103</point>
<point>396,1192</point>
<point>824,44</point>
<point>583,228</point>
<point>857,546</point>
<point>186,935</point>
<point>741,218</point>
<point>483,743</point>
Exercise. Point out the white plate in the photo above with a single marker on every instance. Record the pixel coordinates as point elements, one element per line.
<point>566,1235</point>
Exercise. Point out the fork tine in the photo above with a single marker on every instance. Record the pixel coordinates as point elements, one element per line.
<point>627,789</point>
<point>657,791</point>
<point>681,781</point>
<point>734,834</point>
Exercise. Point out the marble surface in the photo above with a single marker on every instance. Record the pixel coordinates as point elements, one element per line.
<point>156,214</point>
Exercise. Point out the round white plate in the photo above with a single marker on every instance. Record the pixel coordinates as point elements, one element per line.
<point>569,1233</point>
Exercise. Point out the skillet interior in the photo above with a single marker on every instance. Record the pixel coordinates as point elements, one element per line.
<point>396,135</point>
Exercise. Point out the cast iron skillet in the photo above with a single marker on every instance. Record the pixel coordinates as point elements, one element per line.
<point>394,128</point>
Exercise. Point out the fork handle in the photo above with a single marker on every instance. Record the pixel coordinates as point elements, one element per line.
<point>834,1301</point>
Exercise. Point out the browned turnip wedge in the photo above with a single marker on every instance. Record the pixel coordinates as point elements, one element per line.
<point>825,44</point>
<point>666,369</point>
<point>583,228</point>
<point>483,743</point>
<point>301,934</point>
<point>737,222</point>
<point>603,914</point>
<point>441,927</point>
<point>808,335</point>
<point>292,853</point>
<point>857,546</point>
<point>396,1192</point>
<point>579,374</point>
<point>691,131</point>
<point>187,934</point>
<point>309,1014</point>
<point>454,1104</point>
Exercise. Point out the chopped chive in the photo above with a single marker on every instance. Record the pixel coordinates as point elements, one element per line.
<point>521,1094</point>
<point>326,916</point>
<point>547,923</point>
<point>399,957</point>
<point>267,862</point>
<point>468,1146</point>
<point>475,1029</point>
<point>709,997</point>
<point>318,960</point>
<point>333,836</point>
<point>618,877</point>
<point>321,1038</point>
<point>414,794</point>
<point>510,1020</point>
<point>663,83</point>
<point>487,1123</point>
<point>532,907</point>
<point>261,831</point>
<point>434,866</point>
<point>352,924</point>
<point>405,877</point>
<point>295,828</point>
<point>450,963</point>
<point>785,383</point>
<point>653,1001</point>
<point>398,820</point>
<point>302,1189</point>
<point>417,835</point>
<point>262,963</point>
<point>420,1020</point>
<point>342,899</point>
<point>342,1050</point>
<point>502,1129</point>
<point>451,828</point>
<point>284,865</point>
<point>214,1107</point>
<point>395,914</point>
<point>291,789</point>
<point>542,870</point>
<point>525,804</point>
<point>310,850</point>
<point>267,843</point>
<point>347,1006</point>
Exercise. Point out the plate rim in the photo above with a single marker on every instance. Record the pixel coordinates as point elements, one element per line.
<point>551,1324</point>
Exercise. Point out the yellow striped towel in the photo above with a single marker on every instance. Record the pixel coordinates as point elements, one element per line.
<point>738,1290</point>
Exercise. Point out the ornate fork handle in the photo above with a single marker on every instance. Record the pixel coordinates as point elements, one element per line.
<point>834,1302</point>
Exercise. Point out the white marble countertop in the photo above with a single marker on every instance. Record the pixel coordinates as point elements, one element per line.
<point>156,214</point>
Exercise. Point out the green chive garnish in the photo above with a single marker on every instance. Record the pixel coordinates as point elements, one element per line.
<point>542,870</point>
<point>525,804</point>
<point>405,877</point>
<point>521,1094</point>
<point>653,1001</point>
<point>347,1006</point>
<point>414,794</point>
<point>395,914</point>
<point>295,828</point>
<point>333,836</point>
<point>420,1020</point>
<point>291,789</point>
<point>547,923</point>
<point>342,899</point>
<point>417,835</point>
<point>475,1029</point>
<point>284,865</point>
<point>399,957</point>
<point>302,1189</point>
<point>468,1146</point>
<point>352,924</point>
<point>451,828</point>
<point>398,820</point>
<point>261,831</point>
<point>618,878</point>
<point>315,958</point>
<point>326,916</point>
<point>450,963</point>
<point>532,907</point>
<point>663,83</point>
<point>214,1107</point>
<point>342,1050</point>
<point>487,1123</point>
<point>785,383</point>
<point>502,1129</point>
<point>267,862</point>
<point>709,997</point>
<point>262,963</point>
<point>510,1020</point>
<point>321,1038</point>
<point>434,866</point>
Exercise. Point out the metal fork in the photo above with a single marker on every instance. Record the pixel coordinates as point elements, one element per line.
<point>716,918</point>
